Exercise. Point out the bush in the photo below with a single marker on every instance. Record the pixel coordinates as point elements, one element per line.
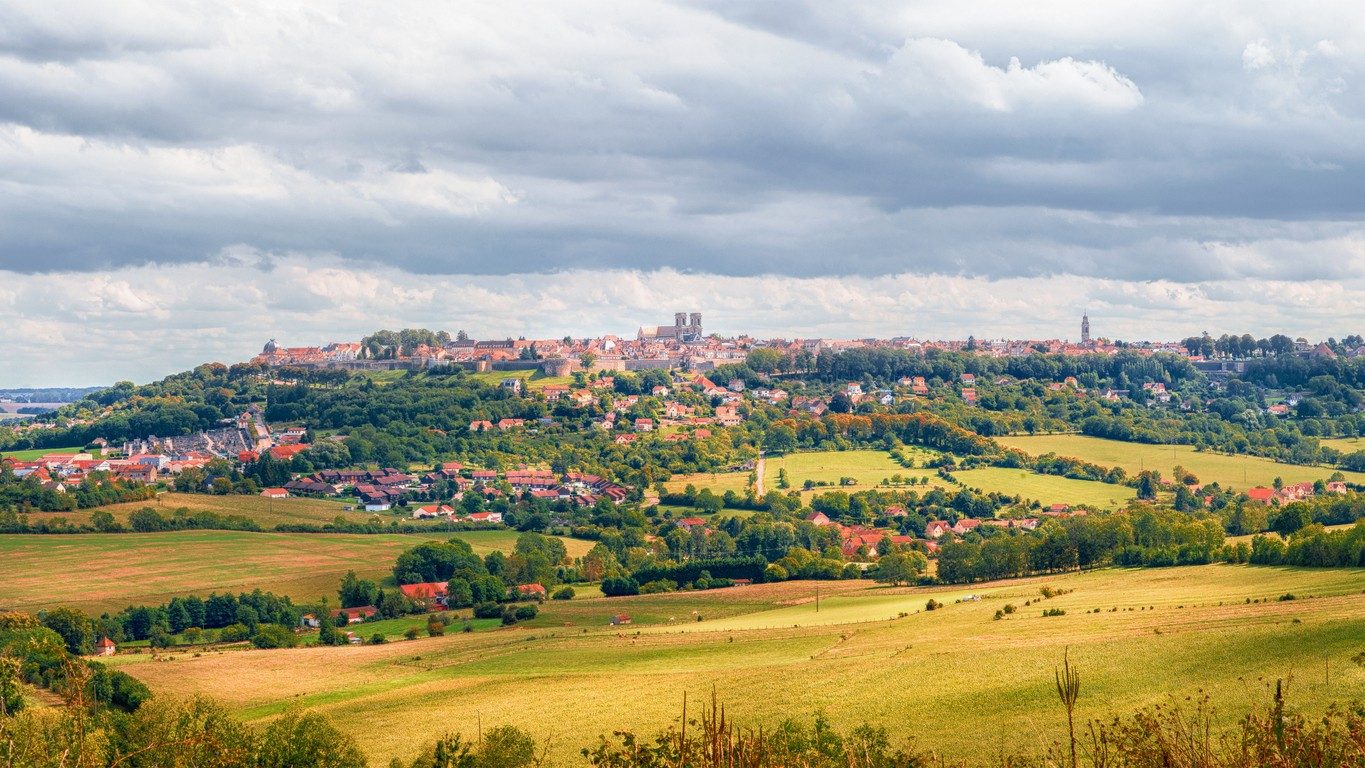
<point>489,610</point>
<point>273,636</point>
<point>1053,612</point>
<point>564,593</point>
<point>509,616</point>
<point>1286,596</point>
<point>412,633</point>
<point>525,612</point>
<point>658,586</point>
<point>435,628</point>
<point>932,605</point>
<point>234,633</point>
<point>617,586</point>
<point>377,639</point>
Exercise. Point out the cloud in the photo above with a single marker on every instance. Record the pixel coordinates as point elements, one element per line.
<point>144,322</point>
<point>928,72</point>
<point>1145,142</point>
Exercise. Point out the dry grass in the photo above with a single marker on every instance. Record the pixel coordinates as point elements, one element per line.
<point>1176,631</point>
<point>1235,471</point>
<point>99,572</point>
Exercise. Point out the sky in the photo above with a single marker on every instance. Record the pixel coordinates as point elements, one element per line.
<point>181,181</point>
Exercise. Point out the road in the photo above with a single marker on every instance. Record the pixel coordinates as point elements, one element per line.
<point>758,484</point>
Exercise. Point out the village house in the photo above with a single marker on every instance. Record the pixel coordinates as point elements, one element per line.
<point>531,591</point>
<point>432,511</point>
<point>936,529</point>
<point>105,647</point>
<point>430,595</point>
<point>356,615</point>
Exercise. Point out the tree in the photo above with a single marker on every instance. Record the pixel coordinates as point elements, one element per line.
<point>779,440</point>
<point>306,740</point>
<point>898,568</point>
<point>764,360</point>
<point>75,628</point>
<point>355,592</point>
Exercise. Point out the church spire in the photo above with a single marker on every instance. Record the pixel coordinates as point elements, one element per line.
<point>1085,328</point>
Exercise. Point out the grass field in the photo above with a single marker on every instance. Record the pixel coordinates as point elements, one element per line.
<point>1048,489</point>
<point>868,468</point>
<point>1240,472</point>
<point>35,453</point>
<point>268,513</point>
<point>98,572</point>
<point>769,655</point>
<point>532,379</point>
<point>1344,444</point>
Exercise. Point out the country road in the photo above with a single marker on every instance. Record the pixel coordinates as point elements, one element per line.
<point>758,484</point>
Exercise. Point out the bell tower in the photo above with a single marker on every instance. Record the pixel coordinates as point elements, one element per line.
<point>1085,328</point>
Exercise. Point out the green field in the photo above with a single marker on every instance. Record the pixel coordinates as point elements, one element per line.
<point>1240,472</point>
<point>36,453</point>
<point>1344,444</point>
<point>868,468</point>
<point>97,572</point>
<point>533,379</point>
<point>1047,489</point>
<point>770,655</point>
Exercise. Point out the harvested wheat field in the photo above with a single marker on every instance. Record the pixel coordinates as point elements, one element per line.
<point>1221,629</point>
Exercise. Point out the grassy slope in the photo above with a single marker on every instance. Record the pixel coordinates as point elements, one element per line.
<point>1236,471</point>
<point>98,572</point>
<point>1047,489</point>
<point>869,468</point>
<point>1345,444</point>
<point>36,453</point>
<point>925,674</point>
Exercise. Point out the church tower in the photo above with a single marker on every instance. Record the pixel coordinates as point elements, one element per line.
<point>1085,328</point>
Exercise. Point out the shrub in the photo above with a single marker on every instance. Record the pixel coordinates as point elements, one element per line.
<point>273,636</point>
<point>509,616</point>
<point>435,628</point>
<point>932,605</point>
<point>377,639</point>
<point>489,610</point>
<point>1286,596</point>
<point>525,612</point>
<point>234,633</point>
<point>412,633</point>
<point>1053,612</point>
<point>564,593</point>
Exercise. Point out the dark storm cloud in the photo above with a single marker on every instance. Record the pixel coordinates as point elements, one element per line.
<point>1137,142</point>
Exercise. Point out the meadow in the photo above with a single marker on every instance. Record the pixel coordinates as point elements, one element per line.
<point>97,572</point>
<point>867,468</point>
<point>1047,489</point>
<point>1240,472</point>
<point>869,654</point>
<point>37,453</point>
<point>1344,444</point>
<point>268,513</point>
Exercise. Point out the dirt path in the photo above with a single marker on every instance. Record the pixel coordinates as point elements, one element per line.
<point>758,484</point>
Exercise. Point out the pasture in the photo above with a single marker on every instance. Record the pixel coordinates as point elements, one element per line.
<point>769,655</point>
<point>1239,472</point>
<point>1047,489</point>
<point>533,379</point>
<point>36,453</point>
<point>97,572</point>
<point>268,513</point>
<point>1344,444</point>
<point>867,468</point>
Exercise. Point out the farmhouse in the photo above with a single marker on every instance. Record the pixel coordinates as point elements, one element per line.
<point>531,591</point>
<point>105,647</point>
<point>431,594</point>
<point>936,529</point>
<point>275,493</point>
<point>356,615</point>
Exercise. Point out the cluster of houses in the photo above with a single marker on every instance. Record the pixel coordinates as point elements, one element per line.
<point>382,489</point>
<point>1288,493</point>
<point>60,471</point>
